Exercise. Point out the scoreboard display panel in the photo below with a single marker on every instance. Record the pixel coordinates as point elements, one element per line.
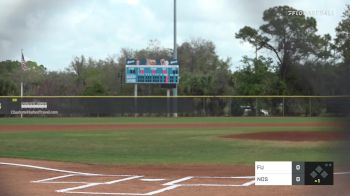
<point>152,71</point>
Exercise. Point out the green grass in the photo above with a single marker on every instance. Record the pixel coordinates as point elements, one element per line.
<point>159,146</point>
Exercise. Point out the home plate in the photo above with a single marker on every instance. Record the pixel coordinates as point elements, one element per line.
<point>152,179</point>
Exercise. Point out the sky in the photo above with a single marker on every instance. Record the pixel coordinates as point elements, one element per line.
<point>53,32</point>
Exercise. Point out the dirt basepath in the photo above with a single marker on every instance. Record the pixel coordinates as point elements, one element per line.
<point>20,177</point>
<point>85,127</point>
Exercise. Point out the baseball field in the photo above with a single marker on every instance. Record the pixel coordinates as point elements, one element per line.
<point>163,156</point>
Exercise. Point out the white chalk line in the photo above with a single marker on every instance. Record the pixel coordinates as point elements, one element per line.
<point>224,177</point>
<point>211,185</point>
<point>97,184</point>
<point>341,173</point>
<point>174,184</point>
<point>49,180</point>
<point>122,180</point>
<point>249,183</point>
<point>54,178</point>
<point>64,182</point>
<point>163,190</point>
<point>134,194</point>
<point>170,185</point>
<point>102,193</point>
<point>77,187</point>
<point>59,170</point>
<point>45,168</point>
<point>215,185</point>
<point>177,181</point>
<point>152,179</point>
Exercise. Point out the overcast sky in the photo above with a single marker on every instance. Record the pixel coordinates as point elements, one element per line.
<point>52,32</point>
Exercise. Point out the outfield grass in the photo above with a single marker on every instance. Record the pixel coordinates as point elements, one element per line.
<point>159,146</point>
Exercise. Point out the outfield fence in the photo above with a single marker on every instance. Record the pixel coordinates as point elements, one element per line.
<point>12,106</point>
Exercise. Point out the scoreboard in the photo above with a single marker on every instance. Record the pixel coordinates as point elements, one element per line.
<point>151,71</point>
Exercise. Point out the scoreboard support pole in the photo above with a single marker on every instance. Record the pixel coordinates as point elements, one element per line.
<point>21,95</point>
<point>135,90</point>
<point>168,101</point>
<point>135,100</point>
<point>175,101</point>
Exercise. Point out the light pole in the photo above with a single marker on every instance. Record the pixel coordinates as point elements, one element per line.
<point>175,44</point>
<point>175,57</point>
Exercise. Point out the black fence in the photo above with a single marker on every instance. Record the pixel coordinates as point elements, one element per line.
<point>181,105</point>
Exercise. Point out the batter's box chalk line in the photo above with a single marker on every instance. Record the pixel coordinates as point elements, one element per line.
<point>250,180</point>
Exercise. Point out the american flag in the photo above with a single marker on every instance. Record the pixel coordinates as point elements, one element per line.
<point>23,62</point>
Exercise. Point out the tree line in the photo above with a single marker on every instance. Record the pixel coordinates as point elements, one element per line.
<point>291,58</point>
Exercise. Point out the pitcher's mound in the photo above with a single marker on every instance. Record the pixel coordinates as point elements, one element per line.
<point>292,136</point>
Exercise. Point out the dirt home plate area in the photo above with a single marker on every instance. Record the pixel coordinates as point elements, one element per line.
<point>22,177</point>
<point>41,178</point>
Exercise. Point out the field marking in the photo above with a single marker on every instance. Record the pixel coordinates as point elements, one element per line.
<point>210,185</point>
<point>249,183</point>
<point>224,177</point>
<point>49,180</point>
<point>97,183</point>
<point>64,182</point>
<point>77,187</point>
<point>60,170</point>
<point>112,182</point>
<point>170,185</point>
<point>178,180</point>
<point>152,179</point>
<point>54,178</point>
<point>122,180</point>
<point>213,185</point>
<point>115,175</point>
<point>341,173</point>
<point>162,190</point>
<point>102,193</point>
<point>46,168</point>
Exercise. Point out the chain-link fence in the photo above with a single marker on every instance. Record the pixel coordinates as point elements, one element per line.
<point>182,105</point>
